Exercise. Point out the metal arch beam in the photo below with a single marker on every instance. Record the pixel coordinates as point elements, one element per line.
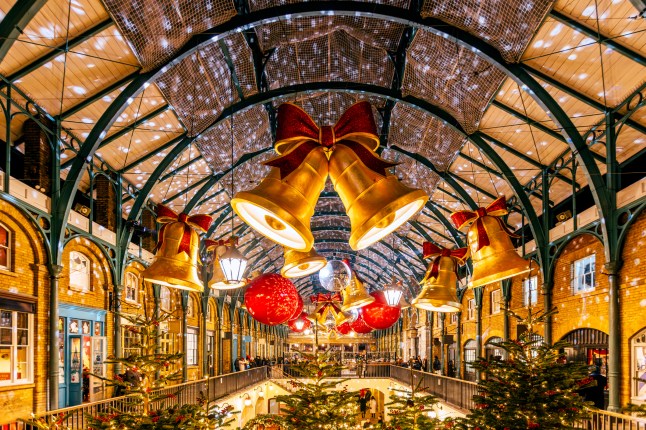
<point>15,21</point>
<point>385,12</point>
<point>446,177</point>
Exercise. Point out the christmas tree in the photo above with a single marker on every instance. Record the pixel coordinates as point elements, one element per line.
<point>145,373</point>
<point>531,388</point>
<point>412,410</point>
<point>318,402</point>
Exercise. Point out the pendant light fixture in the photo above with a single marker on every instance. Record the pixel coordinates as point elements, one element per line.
<point>232,262</point>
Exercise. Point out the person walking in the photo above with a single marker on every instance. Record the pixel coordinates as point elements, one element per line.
<point>360,368</point>
<point>373,407</point>
<point>437,366</point>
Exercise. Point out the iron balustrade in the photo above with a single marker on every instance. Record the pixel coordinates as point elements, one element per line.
<point>454,392</point>
<point>213,388</point>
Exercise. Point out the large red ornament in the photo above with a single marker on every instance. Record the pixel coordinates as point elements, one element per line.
<point>299,309</point>
<point>378,314</point>
<point>344,328</point>
<point>271,299</point>
<point>301,317</point>
<point>359,325</point>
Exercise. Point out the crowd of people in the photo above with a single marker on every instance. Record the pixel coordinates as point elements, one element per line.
<point>244,363</point>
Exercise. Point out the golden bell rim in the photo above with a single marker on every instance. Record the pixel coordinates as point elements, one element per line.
<point>436,305</point>
<point>244,199</point>
<point>180,284</point>
<point>294,259</point>
<point>496,277</point>
<point>358,235</point>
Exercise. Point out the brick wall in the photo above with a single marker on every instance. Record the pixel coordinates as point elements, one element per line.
<point>632,298</point>
<point>105,203</point>
<point>38,157</point>
<point>28,276</point>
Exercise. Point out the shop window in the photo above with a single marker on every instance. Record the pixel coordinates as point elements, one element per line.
<point>130,341</point>
<point>131,287</point>
<point>191,341</point>
<point>583,274</point>
<point>16,347</point>
<point>530,291</point>
<point>495,301</point>
<point>80,272</point>
<point>638,358</point>
<point>471,309</point>
<point>164,298</point>
<point>5,248</point>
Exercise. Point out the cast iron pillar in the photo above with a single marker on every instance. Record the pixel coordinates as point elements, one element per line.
<point>55,274</point>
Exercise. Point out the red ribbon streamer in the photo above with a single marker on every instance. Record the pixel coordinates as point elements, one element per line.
<point>496,209</point>
<point>356,129</point>
<point>167,216</point>
<point>432,250</point>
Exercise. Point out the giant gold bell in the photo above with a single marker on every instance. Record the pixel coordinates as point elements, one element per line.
<point>173,269</point>
<point>377,205</point>
<point>281,209</point>
<point>340,317</point>
<point>298,264</point>
<point>439,293</point>
<point>355,295</point>
<point>218,280</point>
<point>497,261</point>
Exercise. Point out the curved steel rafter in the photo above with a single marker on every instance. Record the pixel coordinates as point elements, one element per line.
<point>385,12</point>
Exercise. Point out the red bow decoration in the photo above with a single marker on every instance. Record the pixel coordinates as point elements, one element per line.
<point>211,244</point>
<point>497,209</point>
<point>323,298</point>
<point>166,216</point>
<point>356,129</point>
<point>431,250</point>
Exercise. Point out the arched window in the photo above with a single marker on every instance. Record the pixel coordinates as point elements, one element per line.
<point>80,272</point>
<point>492,349</point>
<point>164,298</point>
<point>5,248</point>
<point>469,358</point>
<point>132,287</point>
<point>190,307</point>
<point>210,313</point>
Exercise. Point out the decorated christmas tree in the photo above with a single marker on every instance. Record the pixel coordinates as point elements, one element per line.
<point>412,410</point>
<point>144,373</point>
<point>532,387</point>
<point>318,401</point>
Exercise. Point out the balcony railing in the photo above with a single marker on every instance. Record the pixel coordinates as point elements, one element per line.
<point>214,388</point>
<point>454,392</point>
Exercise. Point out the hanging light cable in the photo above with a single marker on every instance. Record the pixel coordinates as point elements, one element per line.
<point>233,263</point>
<point>393,291</point>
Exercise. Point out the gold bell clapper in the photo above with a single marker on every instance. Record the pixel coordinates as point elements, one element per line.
<point>355,295</point>
<point>298,264</point>
<point>492,253</point>
<point>376,202</point>
<point>218,280</point>
<point>439,286</point>
<point>176,258</point>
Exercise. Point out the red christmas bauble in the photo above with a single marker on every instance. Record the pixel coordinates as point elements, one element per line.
<point>301,317</point>
<point>378,314</point>
<point>344,328</point>
<point>299,309</point>
<point>271,299</point>
<point>359,325</point>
